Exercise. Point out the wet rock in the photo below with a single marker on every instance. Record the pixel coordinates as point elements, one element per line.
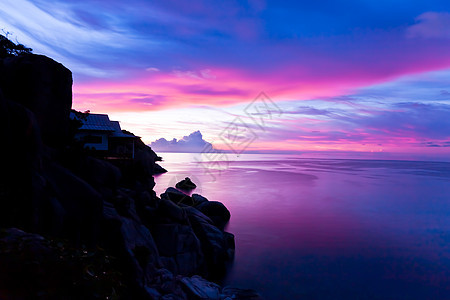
<point>216,211</point>
<point>196,216</point>
<point>186,184</point>
<point>152,293</point>
<point>157,169</point>
<point>172,289</point>
<point>198,288</point>
<point>237,293</point>
<point>198,199</point>
<point>179,244</point>
<point>217,245</point>
<point>146,198</point>
<point>134,244</point>
<point>177,197</point>
<point>172,211</point>
<point>162,275</point>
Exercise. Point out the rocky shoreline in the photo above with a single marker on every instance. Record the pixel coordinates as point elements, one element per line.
<point>74,226</point>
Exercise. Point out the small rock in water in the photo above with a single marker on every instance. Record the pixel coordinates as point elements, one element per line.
<point>186,184</point>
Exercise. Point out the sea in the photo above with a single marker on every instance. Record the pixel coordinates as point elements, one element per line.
<point>327,228</point>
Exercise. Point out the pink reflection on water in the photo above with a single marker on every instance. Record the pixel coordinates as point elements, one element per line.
<point>324,227</point>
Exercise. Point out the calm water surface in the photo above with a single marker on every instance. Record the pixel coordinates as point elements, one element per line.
<point>330,228</point>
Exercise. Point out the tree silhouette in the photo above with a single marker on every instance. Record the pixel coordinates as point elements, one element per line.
<point>9,48</point>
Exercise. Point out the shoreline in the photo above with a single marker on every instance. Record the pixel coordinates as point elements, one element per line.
<point>94,227</point>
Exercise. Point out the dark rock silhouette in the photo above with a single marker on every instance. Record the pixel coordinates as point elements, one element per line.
<point>51,189</point>
<point>216,211</point>
<point>33,267</point>
<point>217,245</point>
<point>44,87</point>
<point>177,196</point>
<point>186,184</point>
<point>197,199</point>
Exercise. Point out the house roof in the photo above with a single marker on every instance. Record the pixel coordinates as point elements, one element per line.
<point>118,131</point>
<point>99,122</point>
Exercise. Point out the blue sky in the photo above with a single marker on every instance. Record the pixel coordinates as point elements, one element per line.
<point>348,75</point>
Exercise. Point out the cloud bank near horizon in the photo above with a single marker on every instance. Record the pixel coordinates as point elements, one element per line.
<point>140,57</point>
<point>192,143</point>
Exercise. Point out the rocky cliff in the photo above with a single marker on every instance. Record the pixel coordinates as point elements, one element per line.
<point>77,227</point>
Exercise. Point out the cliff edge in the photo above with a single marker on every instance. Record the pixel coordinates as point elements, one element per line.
<point>74,226</point>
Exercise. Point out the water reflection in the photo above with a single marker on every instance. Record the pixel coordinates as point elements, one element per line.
<point>332,229</point>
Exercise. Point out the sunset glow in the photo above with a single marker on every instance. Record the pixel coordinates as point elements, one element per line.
<point>362,76</point>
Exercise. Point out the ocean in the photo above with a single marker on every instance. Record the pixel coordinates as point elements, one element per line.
<point>324,228</point>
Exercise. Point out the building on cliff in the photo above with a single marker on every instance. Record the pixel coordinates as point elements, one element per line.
<point>105,137</point>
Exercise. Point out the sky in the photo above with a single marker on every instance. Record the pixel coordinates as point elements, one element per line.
<point>255,75</point>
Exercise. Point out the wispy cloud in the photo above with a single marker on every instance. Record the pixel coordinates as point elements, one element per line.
<point>406,124</point>
<point>84,41</point>
<point>346,73</point>
<point>431,25</point>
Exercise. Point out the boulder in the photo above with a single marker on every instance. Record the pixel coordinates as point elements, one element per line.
<point>49,214</point>
<point>216,211</point>
<point>179,244</point>
<point>44,86</point>
<point>21,152</point>
<point>199,289</point>
<point>133,243</point>
<point>196,215</point>
<point>146,206</point>
<point>217,245</point>
<point>125,204</point>
<point>186,184</point>
<point>172,211</point>
<point>98,173</point>
<point>157,169</point>
<point>81,202</point>
<point>197,199</point>
<point>177,197</point>
<point>137,173</point>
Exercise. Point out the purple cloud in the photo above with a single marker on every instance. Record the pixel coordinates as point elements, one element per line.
<point>192,143</point>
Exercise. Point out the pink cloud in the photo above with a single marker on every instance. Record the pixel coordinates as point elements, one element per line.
<point>285,71</point>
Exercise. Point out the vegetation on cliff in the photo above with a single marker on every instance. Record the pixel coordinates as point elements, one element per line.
<point>9,48</point>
